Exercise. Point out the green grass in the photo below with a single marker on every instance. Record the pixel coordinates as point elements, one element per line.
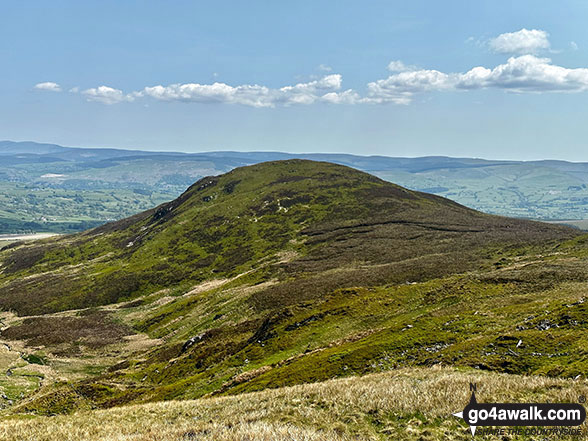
<point>287,273</point>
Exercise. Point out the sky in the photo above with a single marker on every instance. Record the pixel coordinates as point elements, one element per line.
<point>490,79</point>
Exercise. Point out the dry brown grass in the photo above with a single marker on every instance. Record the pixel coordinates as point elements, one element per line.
<point>407,404</point>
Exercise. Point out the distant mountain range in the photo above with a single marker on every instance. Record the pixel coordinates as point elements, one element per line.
<point>47,187</point>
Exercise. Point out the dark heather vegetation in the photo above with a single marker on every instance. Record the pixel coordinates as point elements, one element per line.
<point>285,273</point>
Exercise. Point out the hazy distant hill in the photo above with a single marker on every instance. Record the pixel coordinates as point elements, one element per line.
<point>46,187</point>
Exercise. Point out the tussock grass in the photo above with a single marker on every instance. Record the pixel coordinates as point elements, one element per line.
<point>405,404</point>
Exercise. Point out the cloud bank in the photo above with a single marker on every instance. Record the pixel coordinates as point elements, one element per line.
<point>523,72</point>
<point>526,73</point>
<point>325,89</point>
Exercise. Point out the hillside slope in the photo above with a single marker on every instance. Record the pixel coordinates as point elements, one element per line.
<point>406,404</point>
<point>323,216</point>
<point>283,273</point>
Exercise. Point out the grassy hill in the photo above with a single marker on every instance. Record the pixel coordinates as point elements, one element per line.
<point>311,217</point>
<point>279,274</point>
<point>49,188</point>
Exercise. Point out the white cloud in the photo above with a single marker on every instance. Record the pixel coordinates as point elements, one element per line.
<point>400,88</point>
<point>346,97</point>
<point>107,95</point>
<point>524,41</point>
<point>324,68</point>
<point>75,89</point>
<point>48,85</point>
<point>399,66</point>
<point>209,93</point>
<point>574,45</point>
<point>248,95</point>
<point>526,73</point>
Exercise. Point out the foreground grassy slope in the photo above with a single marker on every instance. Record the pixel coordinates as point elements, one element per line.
<point>406,404</point>
<point>517,319</point>
<point>281,274</point>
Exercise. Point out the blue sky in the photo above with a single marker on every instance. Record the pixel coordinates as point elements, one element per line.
<point>492,79</point>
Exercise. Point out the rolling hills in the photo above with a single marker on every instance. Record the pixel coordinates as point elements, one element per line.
<point>50,188</point>
<point>279,274</point>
